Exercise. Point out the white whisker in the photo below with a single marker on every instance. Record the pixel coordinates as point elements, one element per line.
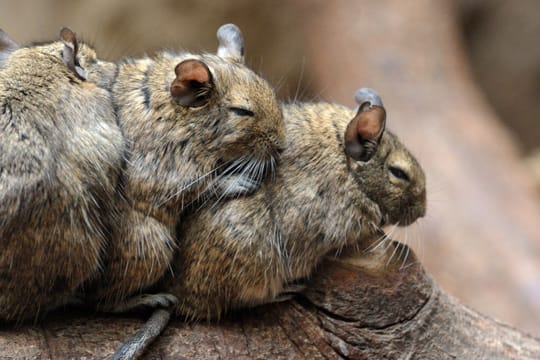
<point>385,238</point>
<point>377,243</point>
<point>396,247</point>
<point>404,248</point>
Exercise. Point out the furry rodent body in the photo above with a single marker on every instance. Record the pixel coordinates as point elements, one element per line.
<point>246,251</point>
<point>60,157</point>
<point>101,174</point>
<point>181,149</point>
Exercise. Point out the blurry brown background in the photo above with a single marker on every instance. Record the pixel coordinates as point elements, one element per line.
<point>460,80</point>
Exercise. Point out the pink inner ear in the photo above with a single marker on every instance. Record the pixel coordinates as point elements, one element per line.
<point>370,123</point>
<point>68,35</point>
<point>192,70</point>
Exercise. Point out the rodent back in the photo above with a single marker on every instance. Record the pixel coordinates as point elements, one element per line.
<point>60,159</point>
<point>55,120</point>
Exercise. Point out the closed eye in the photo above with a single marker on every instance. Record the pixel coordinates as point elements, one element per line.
<point>241,111</point>
<point>399,173</point>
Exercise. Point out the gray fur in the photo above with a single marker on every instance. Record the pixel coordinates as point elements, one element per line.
<point>7,46</point>
<point>368,95</point>
<point>60,157</point>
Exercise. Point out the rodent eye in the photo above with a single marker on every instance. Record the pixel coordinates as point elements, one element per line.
<point>399,173</point>
<point>241,111</point>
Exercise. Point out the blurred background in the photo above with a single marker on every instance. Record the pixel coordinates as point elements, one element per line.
<point>460,80</point>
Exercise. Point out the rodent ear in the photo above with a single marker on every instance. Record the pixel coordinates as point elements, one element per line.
<point>231,43</point>
<point>7,46</point>
<point>365,130</point>
<point>193,84</point>
<point>69,54</point>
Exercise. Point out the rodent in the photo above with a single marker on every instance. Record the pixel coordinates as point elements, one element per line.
<point>60,160</point>
<point>340,178</point>
<point>197,127</point>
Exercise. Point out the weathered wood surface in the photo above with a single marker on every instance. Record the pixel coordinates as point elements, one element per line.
<point>356,307</point>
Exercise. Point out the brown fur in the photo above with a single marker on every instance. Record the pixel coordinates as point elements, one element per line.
<point>60,155</point>
<point>180,155</point>
<point>246,251</point>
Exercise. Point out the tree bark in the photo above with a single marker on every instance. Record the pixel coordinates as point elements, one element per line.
<point>358,306</point>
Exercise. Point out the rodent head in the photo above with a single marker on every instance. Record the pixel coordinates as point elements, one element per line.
<point>241,107</point>
<point>387,172</point>
<point>79,57</point>
<point>244,104</point>
<point>67,48</point>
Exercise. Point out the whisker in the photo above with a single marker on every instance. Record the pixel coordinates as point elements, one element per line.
<point>388,243</point>
<point>404,248</point>
<point>385,238</point>
<point>421,245</point>
<point>297,92</point>
<point>377,243</point>
<point>404,266</point>
<point>273,168</point>
<point>213,191</point>
<point>397,245</point>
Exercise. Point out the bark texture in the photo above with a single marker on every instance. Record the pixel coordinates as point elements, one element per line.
<point>360,306</point>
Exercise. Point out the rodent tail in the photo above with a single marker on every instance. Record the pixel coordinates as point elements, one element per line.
<point>137,344</point>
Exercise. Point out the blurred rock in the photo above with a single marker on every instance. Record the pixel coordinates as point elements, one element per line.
<point>502,39</point>
<point>533,162</point>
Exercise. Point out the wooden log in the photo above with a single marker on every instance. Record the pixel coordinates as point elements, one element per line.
<point>358,306</point>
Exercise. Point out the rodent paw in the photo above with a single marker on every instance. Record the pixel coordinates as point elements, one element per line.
<point>289,292</point>
<point>232,185</point>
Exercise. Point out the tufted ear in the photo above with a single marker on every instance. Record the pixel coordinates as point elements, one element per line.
<point>231,43</point>
<point>7,46</point>
<point>69,53</point>
<point>365,130</point>
<point>193,84</point>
